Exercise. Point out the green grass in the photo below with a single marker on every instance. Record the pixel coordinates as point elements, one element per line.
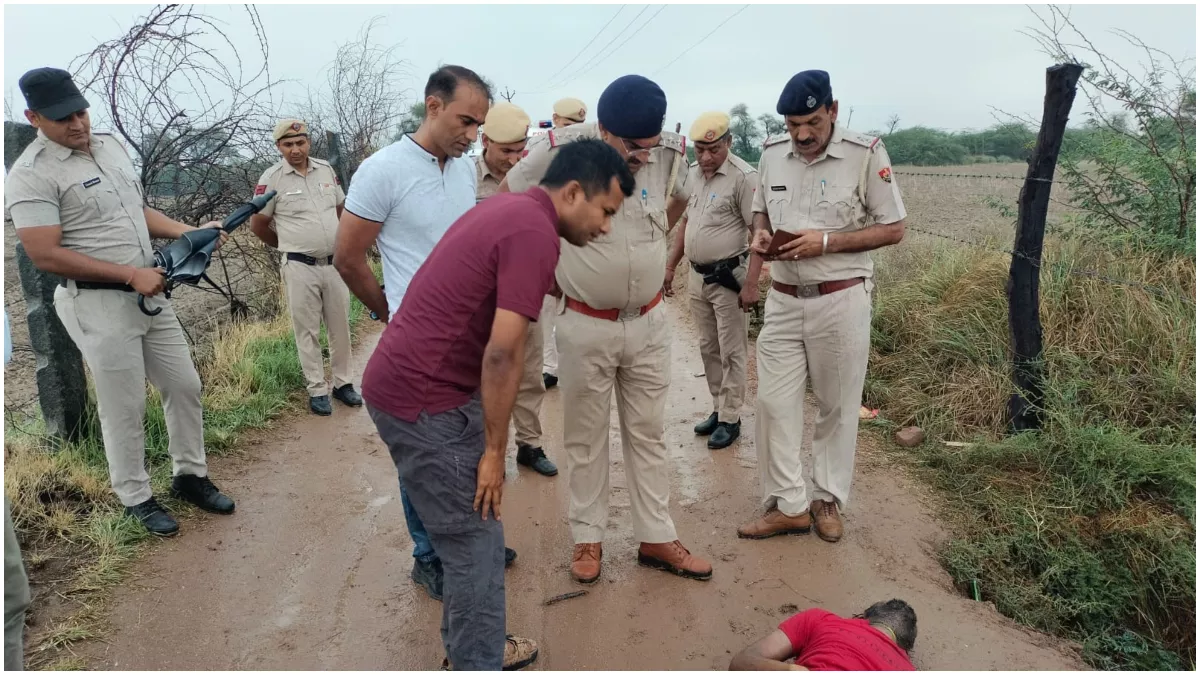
<point>63,508</point>
<point>1087,528</point>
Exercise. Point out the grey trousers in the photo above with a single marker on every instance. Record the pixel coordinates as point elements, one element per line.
<point>16,597</point>
<point>437,458</point>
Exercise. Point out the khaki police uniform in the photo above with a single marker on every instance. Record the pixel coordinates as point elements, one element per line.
<point>571,111</point>
<point>304,217</point>
<point>507,123</point>
<point>629,350</point>
<point>810,329</point>
<point>97,200</point>
<point>719,214</point>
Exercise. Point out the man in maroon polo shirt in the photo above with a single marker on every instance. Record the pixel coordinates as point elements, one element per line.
<point>441,384</point>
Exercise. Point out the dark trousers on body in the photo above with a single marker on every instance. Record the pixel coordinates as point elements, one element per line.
<point>437,458</point>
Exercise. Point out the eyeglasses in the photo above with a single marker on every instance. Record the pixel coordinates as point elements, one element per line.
<point>635,150</point>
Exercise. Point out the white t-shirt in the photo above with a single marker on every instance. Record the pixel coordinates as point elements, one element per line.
<point>402,187</point>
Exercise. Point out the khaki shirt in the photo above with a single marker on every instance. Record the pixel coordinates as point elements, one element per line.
<point>720,211</point>
<point>624,268</point>
<point>849,187</point>
<point>97,199</point>
<point>486,183</point>
<point>305,208</point>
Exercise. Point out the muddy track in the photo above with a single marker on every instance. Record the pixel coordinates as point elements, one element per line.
<point>312,570</point>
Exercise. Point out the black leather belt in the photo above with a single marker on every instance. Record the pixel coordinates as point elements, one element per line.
<point>99,286</point>
<point>721,272</point>
<point>308,259</point>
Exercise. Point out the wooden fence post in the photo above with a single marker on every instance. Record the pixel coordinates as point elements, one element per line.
<point>1025,407</point>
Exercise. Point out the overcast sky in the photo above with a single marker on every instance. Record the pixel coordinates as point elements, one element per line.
<point>944,66</point>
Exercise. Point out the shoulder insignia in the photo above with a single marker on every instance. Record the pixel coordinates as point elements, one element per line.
<point>859,139</point>
<point>741,164</point>
<point>776,140</point>
<point>673,141</point>
<point>873,143</point>
<point>260,189</point>
<point>552,139</point>
<point>886,174</point>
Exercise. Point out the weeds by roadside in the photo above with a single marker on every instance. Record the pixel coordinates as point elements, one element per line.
<point>1086,529</point>
<point>76,543</point>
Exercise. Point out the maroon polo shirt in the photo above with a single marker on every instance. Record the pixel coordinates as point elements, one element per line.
<point>499,255</point>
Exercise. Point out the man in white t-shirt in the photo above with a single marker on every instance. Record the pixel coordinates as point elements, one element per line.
<point>403,199</point>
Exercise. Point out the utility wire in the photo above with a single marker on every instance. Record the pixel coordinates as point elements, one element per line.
<point>701,40</point>
<point>585,47</point>
<point>598,59</point>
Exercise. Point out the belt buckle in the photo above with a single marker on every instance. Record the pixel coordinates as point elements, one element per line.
<point>809,291</point>
<point>629,314</point>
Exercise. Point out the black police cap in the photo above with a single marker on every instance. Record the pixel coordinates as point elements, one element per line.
<point>51,93</point>
<point>804,93</point>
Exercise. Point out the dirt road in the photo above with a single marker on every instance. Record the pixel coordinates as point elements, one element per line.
<point>312,570</point>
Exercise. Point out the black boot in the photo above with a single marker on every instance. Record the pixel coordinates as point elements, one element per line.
<point>347,395</point>
<point>707,426</point>
<point>152,516</point>
<point>428,575</point>
<point>320,405</point>
<point>535,458</point>
<point>725,435</point>
<point>202,493</point>
<point>549,380</point>
<point>510,556</point>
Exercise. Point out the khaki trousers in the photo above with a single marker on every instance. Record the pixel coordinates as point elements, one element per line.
<point>316,293</point>
<point>549,349</point>
<point>634,359</point>
<point>527,410</point>
<point>723,330</point>
<point>123,348</point>
<point>826,338</point>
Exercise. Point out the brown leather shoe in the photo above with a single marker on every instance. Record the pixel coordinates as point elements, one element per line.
<point>829,523</point>
<point>673,557</point>
<point>585,564</point>
<point>774,523</point>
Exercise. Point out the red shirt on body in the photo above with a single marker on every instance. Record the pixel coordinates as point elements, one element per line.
<point>499,255</point>
<point>823,640</point>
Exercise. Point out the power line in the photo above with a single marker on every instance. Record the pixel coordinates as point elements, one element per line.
<point>585,47</point>
<point>701,40</point>
<point>598,59</point>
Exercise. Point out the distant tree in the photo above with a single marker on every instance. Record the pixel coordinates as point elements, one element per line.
<point>746,134</point>
<point>892,122</point>
<point>772,124</point>
<point>411,121</point>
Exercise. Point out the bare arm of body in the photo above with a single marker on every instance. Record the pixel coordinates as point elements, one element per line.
<point>676,256</point>
<point>769,653</point>
<point>260,225</point>
<point>503,362</point>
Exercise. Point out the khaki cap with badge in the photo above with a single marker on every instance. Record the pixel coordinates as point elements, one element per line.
<point>506,123</point>
<point>709,127</point>
<point>572,109</point>
<point>290,127</point>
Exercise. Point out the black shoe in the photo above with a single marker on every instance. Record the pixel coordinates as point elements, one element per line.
<point>153,518</point>
<point>201,492</point>
<point>510,556</point>
<point>320,405</point>
<point>707,426</point>
<point>347,395</point>
<point>429,576</point>
<point>551,381</point>
<point>725,435</point>
<point>535,458</point>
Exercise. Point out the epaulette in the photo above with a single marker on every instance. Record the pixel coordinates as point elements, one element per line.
<point>30,153</point>
<point>859,139</point>
<point>557,137</point>
<point>776,140</point>
<point>674,141</point>
<point>693,165</point>
<point>741,164</point>
<point>318,160</point>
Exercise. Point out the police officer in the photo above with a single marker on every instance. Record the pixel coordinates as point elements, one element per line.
<point>832,193</point>
<point>715,236</point>
<point>302,223</point>
<point>567,111</point>
<point>613,331</point>
<point>505,134</point>
<point>78,207</point>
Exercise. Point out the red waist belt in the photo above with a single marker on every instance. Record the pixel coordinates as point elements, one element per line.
<point>813,290</point>
<point>612,314</point>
